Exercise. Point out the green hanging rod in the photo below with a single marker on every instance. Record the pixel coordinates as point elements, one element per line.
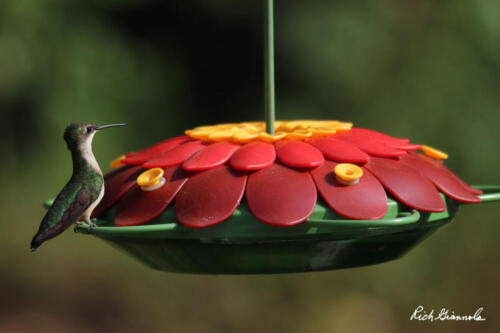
<point>269,66</point>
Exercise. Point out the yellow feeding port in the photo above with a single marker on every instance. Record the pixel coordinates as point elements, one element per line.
<point>150,177</point>
<point>347,173</point>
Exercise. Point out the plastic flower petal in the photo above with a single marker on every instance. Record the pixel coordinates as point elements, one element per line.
<point>338,150</point>
<point>210,156</point>
<point>364,201</point>
<point>253,156</point>
<point>443,180</point>
<point>210,197</point>
<point>298,154</point>
<point>154,151</point>
<point>175,156</point>
<point>138,207</point>
<point>117,182</point>
<point>407,185</point>
<point>370,145</point>
<point>281,196</point>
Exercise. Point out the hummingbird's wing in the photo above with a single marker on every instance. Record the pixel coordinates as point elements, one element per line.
<point>67,208</point>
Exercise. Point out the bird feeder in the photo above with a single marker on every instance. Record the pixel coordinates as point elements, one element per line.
<point>276,197</point>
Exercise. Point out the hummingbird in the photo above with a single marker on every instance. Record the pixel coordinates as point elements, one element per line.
<point>84,190</point>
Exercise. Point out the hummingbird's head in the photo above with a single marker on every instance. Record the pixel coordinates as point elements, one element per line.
<point>78,135</point>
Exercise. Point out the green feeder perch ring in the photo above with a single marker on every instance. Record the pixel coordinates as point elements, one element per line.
<point>242,245</point>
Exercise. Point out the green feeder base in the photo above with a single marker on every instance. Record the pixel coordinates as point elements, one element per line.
<point>243,245</point>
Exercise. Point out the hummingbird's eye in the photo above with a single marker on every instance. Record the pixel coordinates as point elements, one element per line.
<point>89,129</point>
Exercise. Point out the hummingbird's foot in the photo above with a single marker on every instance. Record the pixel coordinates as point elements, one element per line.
<point>77,224</point>
<point>90,223</point>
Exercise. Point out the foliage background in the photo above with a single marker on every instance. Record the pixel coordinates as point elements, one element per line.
<point>429,70</point>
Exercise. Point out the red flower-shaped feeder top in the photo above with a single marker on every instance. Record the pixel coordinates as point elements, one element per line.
<point>210,169</point>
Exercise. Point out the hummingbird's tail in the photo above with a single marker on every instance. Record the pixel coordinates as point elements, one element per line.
<point>35,243</point>
<point>44,234</point>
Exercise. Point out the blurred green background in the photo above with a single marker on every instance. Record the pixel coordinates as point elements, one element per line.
<point>428,70</point>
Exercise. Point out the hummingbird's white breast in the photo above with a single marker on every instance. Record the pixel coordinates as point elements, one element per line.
<point>88,155</point>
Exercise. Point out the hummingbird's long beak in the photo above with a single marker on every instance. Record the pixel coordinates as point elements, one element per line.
<point>109,125</point>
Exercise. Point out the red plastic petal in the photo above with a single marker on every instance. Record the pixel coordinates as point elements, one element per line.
<point>175,156</point>
<point>439,164</point>
<point>116,183</point>
<point>442,179</point>
<point>393,142</point>
<point>340,151</point>
<point>378,136</point>
<point>405,146</point>
<point>406,185</point>
<point>210,197</point>
<point>370,145</point>
<point>137,207</point>
<point>154,151</point>
<point>364,201</point>
<point>253,156</point>
<point>298,154</point>
<point>211,156</point>
<point>280,196</point>
<point>469,188</point>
